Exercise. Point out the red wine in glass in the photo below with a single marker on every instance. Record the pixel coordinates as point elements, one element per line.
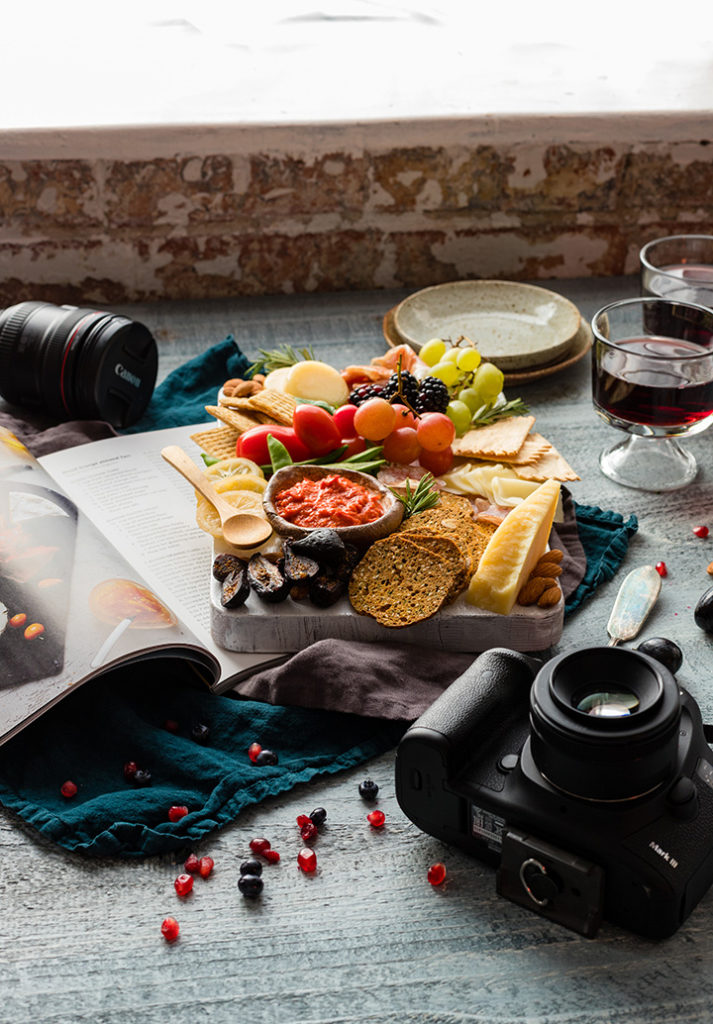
<point>685,282</point>
<point>655,382</point>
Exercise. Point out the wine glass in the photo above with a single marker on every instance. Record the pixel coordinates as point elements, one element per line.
<point>679,267</point>
<point>652,376</point>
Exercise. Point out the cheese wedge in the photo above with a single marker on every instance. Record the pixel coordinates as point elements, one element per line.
<point>513,551</point>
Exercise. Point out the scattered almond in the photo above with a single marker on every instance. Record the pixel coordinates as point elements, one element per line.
<point>709,570</point>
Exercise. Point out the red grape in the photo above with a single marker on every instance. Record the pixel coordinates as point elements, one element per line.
<point>404,417</point>
<point>436,462</point>
<point>375,419</point>
<point>402,445</point>
<point>435,431</point>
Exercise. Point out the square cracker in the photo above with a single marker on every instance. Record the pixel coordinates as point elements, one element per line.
<point>219,442</point>
<point>501,440</point>
<point>239,421</point>
<point>277,404</point>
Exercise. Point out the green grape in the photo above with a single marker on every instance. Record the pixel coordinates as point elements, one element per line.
<point>450,356</point>
<point>468,359</point>
<point>447,372</point>
<point>488,382</point>
<point>471,398</point>
<point>459,414</point>
<point>432,351</point>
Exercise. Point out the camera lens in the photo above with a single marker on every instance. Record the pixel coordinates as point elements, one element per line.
<point>604,723</point>
<point>76,363</point>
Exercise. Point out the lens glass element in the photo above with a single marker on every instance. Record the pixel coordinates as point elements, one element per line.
<point>607,704</point>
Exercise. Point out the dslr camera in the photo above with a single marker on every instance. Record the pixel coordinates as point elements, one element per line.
<point>587,781</point>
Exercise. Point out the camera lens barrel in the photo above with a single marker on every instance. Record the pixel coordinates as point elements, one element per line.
<point>76,363</point>
<point>604,723</point>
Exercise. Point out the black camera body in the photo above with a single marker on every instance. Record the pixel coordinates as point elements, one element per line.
<point>587,781</point>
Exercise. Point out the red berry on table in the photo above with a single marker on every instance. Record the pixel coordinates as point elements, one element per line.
<point>701,531</point>
<point>302,819</point>
<point>175,813</point>
<point>130,770</point>
<point>171,725</point>
<point>253,751</point>
<point>68,789</point>
<point>309,832</point>
<point>192,864</point>
<point>307,860</point>
<point>436,873</point>
<point>661,569</point>
<point>170,929</point>
<point>271,856</point>
<point>206,866</point>
<point>376,819</point>
<point>183,884</point>
<point>260,845</point>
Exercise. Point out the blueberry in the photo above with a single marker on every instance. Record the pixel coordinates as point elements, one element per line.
<point>266,757</point>
<point>200,732</point>
<point>250,885</point>
<point>141,777</point>
<point>251,867</point>
<point>318,816</point>
<point>368,790</point>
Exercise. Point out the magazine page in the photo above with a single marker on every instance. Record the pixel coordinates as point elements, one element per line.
<point>70,605</point>
<point>147,510</point>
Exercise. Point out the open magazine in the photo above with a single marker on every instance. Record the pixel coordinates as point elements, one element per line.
<point>101,564</point>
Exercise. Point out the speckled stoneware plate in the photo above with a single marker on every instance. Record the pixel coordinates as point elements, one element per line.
<point>515,326</point>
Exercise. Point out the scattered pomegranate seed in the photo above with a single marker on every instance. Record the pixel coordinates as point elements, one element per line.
<point>253,751</point>
<point>661,569</point>
<point>192,864</point>
<point>309,832</point>
<point>271,856</point>
<point>436,873</point>
<point>307,860</point>
<point>171,725</point>
<point>176,813</point>
<point>206,866</point>
<point>303,819</point>
<point>376,819</point>
<point>170,929</point>
<point>701,531</point>
<point>260,845</point>
<point>130,770</point>
<point>183,884</point>
<point>68,789</point>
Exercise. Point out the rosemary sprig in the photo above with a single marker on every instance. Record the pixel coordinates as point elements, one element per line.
<point>487,414</point>
<point>425,496</point>
<point>276,358</point>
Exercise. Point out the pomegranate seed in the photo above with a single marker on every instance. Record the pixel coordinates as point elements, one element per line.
<point>171,725</point>
<point>253,751</point>
<point>260,845</point>
<point>170,929</point>
<point>130,770</point>
<point>176,813</point>
<point>183,884</point>
<point>206,866</point>
<point>303,819</point>
<point>192,864</point>
<point>307,860</point>
<point>309,832</point>
<point>701,531</point>
<point>68,789</point>
<point>436,873</point>
<point>271,856</point>
<point>376,819</point>
<point>661,569</point>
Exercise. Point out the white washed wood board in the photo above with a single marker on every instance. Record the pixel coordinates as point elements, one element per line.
<point>293,625</point>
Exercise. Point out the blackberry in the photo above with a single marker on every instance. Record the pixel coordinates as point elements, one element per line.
<point>433,396</point>
<point>365,392</point>
<point>409,387</point>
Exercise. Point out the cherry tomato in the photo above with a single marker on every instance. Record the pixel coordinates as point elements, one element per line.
<point>437,462</point>
<point>316,429</point>
<point>404,417</point>
<point>344,418</point>
<point>253,444</point>
<point>354,446</point>
<point>402,445</point>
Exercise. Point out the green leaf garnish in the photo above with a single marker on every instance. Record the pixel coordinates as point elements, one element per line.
<point>425,496</point>
<point>487,414</point>
<point>277,358</point>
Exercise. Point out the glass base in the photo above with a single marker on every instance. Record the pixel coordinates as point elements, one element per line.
<point>649,464</point>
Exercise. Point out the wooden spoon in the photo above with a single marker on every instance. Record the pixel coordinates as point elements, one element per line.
<point>241,529</point>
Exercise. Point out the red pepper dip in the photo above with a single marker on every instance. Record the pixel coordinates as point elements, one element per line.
<point>331,501</point>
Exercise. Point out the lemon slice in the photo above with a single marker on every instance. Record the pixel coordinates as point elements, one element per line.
<point>244,501</point>
<point>235,466</point>
<point>244,482</point>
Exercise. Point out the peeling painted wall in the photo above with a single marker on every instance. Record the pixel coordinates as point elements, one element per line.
<point>331,210</point>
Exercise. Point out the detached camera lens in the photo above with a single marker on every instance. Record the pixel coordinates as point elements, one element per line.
<point>604,723</point>
<point>76,363</point>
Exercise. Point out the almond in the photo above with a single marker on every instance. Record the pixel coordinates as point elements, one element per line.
<point>555,555</point>
<point>709,570</point>
<point>549,598</point>
<point>548,569</point>
<point>533,590</point>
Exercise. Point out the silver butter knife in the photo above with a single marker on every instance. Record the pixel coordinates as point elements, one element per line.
<point>637,596</point>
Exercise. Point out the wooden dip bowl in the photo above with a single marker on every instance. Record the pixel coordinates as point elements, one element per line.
<point>361,534</point>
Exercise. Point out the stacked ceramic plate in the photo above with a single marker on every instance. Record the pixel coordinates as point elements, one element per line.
<point>527,331</point>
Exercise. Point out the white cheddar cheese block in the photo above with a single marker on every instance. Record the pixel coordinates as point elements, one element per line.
<point>513,550</point>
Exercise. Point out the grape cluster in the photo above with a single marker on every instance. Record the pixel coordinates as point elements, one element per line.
<point>428,395</point>
<point>471,384</point>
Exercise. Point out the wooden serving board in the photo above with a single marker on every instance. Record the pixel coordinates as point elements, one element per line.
<point>294,625</point>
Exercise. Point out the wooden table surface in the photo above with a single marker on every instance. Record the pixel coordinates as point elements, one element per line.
<point>366,938</point>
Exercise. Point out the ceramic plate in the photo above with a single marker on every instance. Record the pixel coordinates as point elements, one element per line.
<point>515,326</point>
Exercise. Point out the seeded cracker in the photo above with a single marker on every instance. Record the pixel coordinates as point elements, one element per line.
<point>500,441</point>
